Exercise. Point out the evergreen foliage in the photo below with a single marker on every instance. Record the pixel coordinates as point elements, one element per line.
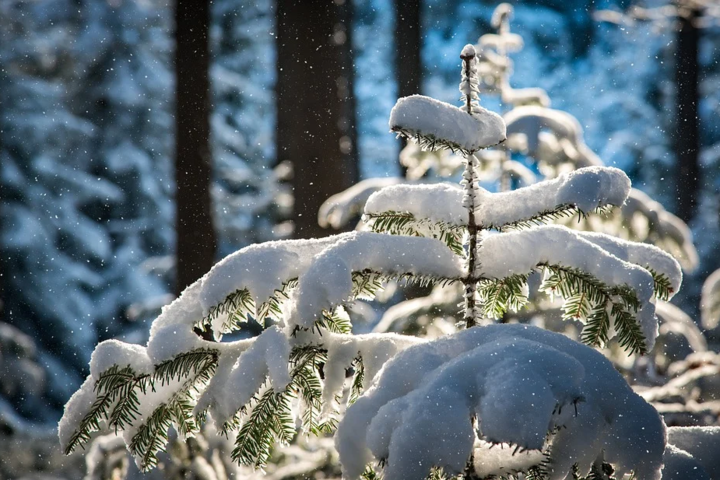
<point>282,388</point>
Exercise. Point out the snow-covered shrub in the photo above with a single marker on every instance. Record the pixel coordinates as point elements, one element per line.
<point>297,370</point>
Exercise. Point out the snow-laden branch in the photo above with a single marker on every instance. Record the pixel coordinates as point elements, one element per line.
<point>434,123</point>
<point>261,269</point>
<point>339,209</point>
<point>585,189</point>
<point>238,377</point>
<point>506,254</point>
<point>440,202</point>
<point>244,282</point>
<point>521,383</point>
<point>329,280</point>
<point>127,393</point>
<point>648,220</point>
<point>373,351</point>
<point>642,254</point>
<point>710,301</point>
<point>530,121</point>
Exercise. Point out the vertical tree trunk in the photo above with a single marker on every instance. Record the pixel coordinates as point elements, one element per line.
<point>4,260</point>
<point>687,135</point>
<point>195,234</point>
<point>315,104</point>
<point>408,45</point>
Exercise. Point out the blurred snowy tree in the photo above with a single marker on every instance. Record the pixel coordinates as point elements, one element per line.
<point>86,135</point>
<point>686,18</point>
<point>248,197</point>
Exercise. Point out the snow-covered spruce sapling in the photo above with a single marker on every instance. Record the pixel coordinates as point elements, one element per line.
<point>255,390</point>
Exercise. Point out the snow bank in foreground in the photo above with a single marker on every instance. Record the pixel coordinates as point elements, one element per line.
<point>520,382</point>
<point>427,117</point>
<point>692,453</point>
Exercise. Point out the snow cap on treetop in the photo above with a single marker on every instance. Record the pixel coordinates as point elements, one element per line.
<point>434,124</point>
<point>468,51</point>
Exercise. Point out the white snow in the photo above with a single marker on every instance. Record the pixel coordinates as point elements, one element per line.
<point>505,254</point>
<point>680,465</point>
<point>425,116</point>
<point>710,301</point>
<point>328,281</point>
<point>641,254</point>
<point>374,349</point>
<point>468,51</point>
<point>339,209</point>
<point>501,459</point>
<point>75,410</point>
<point>183,312</point>
<point>215,396</point>
<point>171,340</point>
<point>115,352</point>
<point>267,357</point>
<point>586,188</point>
<point>531,121</point>
<point>261,269</point>
<point>703,443</point>
<point>106,354</point>
<point>512,377</point>
<point>510,42</point>
<point>440,202</point>
<point>660,227</point>
<point>524,96</point>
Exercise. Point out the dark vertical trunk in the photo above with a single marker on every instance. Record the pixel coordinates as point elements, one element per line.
<point>407,47</point>
<point>315,104</point>
<point>195,234</point>
<point>687,135</point>
<point>408,44</point>
<point>4,260</point>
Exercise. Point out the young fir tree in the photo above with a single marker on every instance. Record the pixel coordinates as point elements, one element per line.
<point>420,408</point>
<point>553,141</point>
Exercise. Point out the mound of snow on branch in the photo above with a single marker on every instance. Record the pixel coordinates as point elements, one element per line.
<point>520,382</point>
<point>520,252</point>
<point>329,280</point>
<point>422,116</point>
<point>585,189</point>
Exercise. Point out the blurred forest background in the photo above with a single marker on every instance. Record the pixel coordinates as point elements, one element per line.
<point>142,140</point>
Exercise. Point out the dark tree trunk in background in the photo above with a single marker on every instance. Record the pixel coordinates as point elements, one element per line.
<point>408,45</point>
<point>687,134</point>
<point>195,234</point>
<point>315,104</point>
<point>4,259</point>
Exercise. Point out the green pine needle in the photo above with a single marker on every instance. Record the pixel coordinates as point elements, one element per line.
<point>499,296</point>
<point>588,299</point>
<point>429,141</point>
<point>271,417</point>
<point>116,390</point>
<point>405,223</point>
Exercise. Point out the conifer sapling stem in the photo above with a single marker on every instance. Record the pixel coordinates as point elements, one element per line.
<point>468,87</point>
